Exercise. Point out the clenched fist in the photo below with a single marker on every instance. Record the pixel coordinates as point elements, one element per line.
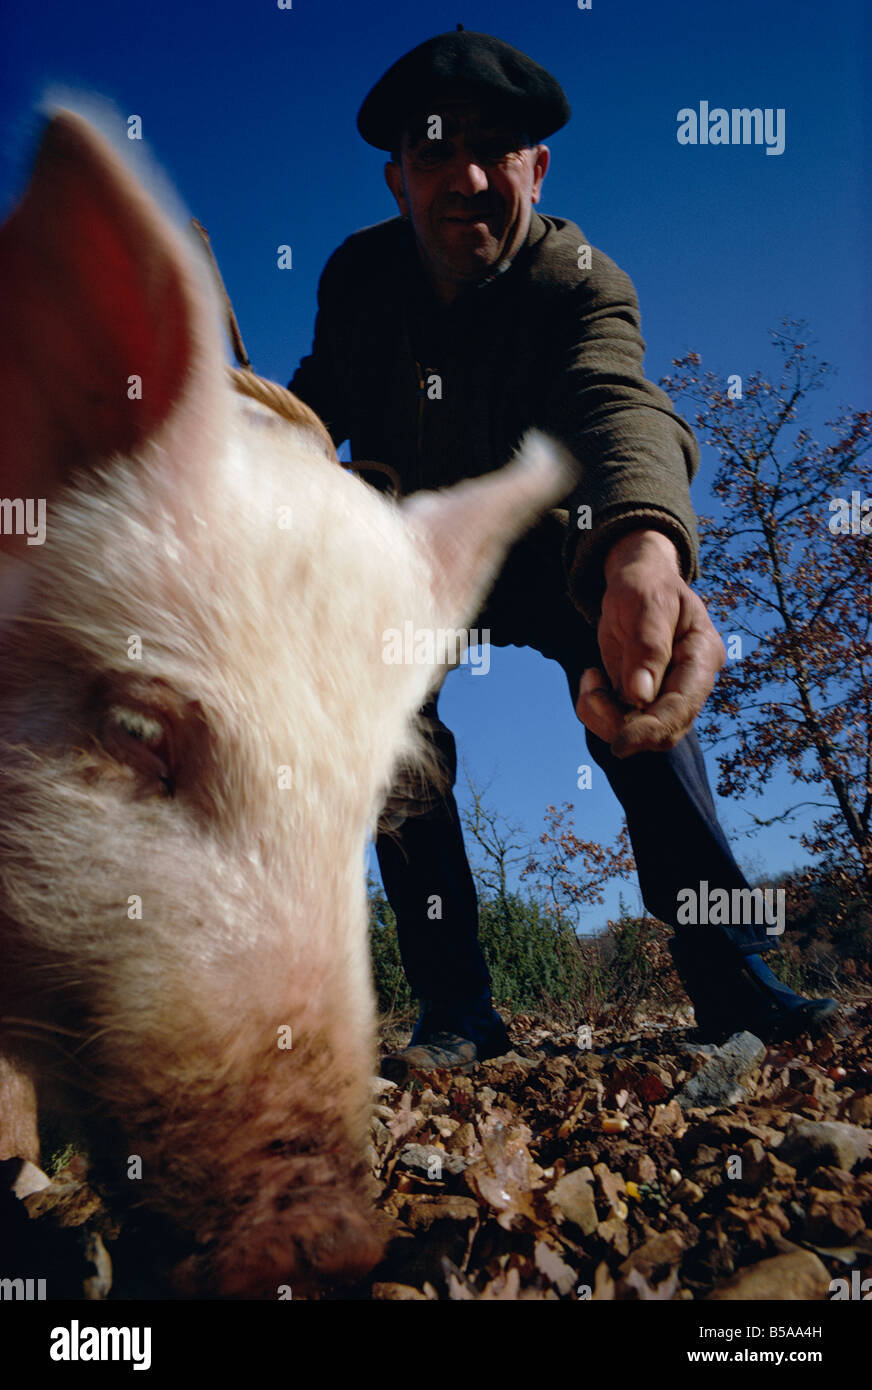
<point>659,647</point>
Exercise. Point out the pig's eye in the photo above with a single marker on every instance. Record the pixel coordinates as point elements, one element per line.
<point>141,740</point>
<point>138,725</point>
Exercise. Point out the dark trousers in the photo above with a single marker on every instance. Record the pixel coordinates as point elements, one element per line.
<point>676,838</point>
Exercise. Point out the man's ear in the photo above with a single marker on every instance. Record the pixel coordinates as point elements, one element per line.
<point>541,160</point>
<point>394,181</point>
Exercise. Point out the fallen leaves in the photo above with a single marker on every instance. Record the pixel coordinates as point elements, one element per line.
<point>561,1174</point>
<point>590,1180</point>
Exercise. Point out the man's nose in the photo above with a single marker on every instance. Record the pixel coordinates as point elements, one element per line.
<point>468,177</point>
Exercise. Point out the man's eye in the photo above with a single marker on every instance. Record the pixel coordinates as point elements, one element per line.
<point>493,151</point>
<point>432,152</point>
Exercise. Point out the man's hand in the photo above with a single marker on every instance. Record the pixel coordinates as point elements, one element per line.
<point>659,647</point>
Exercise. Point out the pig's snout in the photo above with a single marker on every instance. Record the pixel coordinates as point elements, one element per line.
<point>320,1240</point>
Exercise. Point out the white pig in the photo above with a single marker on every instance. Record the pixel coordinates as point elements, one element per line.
<point>197,728</point>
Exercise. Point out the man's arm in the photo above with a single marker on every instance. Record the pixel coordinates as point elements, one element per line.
<point>627,570</point>
<point>637,455</point>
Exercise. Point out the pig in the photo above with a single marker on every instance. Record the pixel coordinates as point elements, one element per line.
<point>197,729</point>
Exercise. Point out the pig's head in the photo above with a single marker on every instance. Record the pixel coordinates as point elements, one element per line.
<point>196,728</point>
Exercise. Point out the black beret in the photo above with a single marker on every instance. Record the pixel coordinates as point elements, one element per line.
<point>486,66</point>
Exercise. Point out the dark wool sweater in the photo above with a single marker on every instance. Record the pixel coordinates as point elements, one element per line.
<point>543,343</point>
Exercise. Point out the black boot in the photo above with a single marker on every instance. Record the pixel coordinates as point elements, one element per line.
<point>795,1013</point>
<point>475,1019</point>
<point>453,1035</point>
<point>732,993</point>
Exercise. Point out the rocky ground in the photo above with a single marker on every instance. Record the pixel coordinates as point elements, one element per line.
<point>640,1166</point>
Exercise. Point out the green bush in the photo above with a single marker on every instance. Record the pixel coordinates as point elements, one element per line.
<point>391,988</point>
<point>532,957</point>
<point>537,962</point>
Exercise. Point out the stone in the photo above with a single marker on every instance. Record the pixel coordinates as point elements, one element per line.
<point>824,1143</point>
<point>760,1167</point>
<point>380,1140</point>
<point>689,1193</point>
<point>668,1119</point>
<point>777,1171</point>
<point>665,1248</point>
<point>428,1161</point>
<point>433,1104</point>
<point>831,1220</point>
<point>718,1082</point>
<point>837,1180</point>
<point>573,1196</point>
<point>71,1203</point>
<point>860,1109</point>
<point>444,1126</point>
<point>706,1155</point>
<point>642,1168</point>
<point>796,1276</point>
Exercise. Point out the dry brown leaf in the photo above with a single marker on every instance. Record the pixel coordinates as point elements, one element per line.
<point>661,1292</point>
<point>555,1269</point>
<point>405,1119</point>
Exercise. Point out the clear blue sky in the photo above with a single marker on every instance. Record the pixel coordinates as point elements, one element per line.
<point>251,111</point>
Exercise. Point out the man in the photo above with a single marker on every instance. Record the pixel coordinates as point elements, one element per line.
<point>442,335</point>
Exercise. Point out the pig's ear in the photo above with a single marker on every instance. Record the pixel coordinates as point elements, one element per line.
<point>467,530</point>
<point>99,289</point>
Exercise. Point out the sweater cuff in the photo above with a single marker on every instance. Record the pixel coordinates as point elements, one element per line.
<point>585,577</point>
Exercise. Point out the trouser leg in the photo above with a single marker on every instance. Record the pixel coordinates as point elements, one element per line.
<point>429,885</point>
<point>677,840</point>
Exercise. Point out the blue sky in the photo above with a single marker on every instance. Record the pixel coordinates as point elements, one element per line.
<point>251,111</point>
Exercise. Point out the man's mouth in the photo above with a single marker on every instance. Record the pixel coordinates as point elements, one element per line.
<point>469,218</point>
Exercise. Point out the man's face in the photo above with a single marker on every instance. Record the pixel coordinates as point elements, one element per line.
<point>469,194</point>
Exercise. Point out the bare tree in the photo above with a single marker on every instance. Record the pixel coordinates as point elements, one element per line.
<point>787,569</point>
<point>573,872</point>
<point>497,839</point>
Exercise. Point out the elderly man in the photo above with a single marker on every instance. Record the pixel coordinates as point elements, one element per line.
<point>442,335</point>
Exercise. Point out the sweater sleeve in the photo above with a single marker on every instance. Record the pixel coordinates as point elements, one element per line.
<point>321,380</point>
<point>637,455</point>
